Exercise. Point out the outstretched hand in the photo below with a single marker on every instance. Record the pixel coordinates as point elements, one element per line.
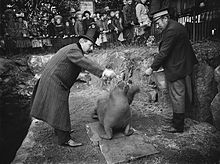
<point>149,71</point>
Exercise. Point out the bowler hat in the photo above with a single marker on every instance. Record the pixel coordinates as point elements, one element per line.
<point>90,35</point>
<point>159,13</point>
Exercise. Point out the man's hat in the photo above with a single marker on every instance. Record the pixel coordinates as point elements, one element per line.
<point>90,35</point>
<point>159,13</point>
<point>58,17</point>
<point>84,13</point>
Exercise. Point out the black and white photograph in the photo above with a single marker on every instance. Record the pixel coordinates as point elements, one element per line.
<point>109,81</point>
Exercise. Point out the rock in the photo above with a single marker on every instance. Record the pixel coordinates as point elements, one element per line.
<point>38,63</point>
<point>204,92</point>
<point>208,52</point>
<point>217,74</point>
<point>215,107</point>
<point>4,65</point>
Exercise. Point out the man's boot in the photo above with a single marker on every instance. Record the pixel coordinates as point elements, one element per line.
<point>169,120</point>
<point>178,124</point>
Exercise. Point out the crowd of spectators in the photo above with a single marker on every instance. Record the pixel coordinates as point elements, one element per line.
<point>113,26</point>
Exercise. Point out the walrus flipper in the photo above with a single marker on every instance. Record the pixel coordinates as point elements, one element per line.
<point>128,130</point>
<point>108,133</point>
<point>131,92</point>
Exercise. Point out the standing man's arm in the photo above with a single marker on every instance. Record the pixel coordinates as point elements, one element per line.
<point>166,47</point>
<point>77,58</point>
<point>168,41</point>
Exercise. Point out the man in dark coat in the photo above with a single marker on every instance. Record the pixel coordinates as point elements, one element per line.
<point>129,19</point>
<point>177,58</point>
<point>50,96</point>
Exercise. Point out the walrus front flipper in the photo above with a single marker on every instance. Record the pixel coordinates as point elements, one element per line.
<point>128,130</point>
<point>131,92</point>
<point>109,133</point>
<point>94,114</point>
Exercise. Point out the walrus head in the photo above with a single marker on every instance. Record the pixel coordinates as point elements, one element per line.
<point>123,86</point>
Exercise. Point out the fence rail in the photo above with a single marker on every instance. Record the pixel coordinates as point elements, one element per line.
<point>202,26</point>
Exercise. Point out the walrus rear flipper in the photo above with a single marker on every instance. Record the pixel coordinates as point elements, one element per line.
<point>131,92</point>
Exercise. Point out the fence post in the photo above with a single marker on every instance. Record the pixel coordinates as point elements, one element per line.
<point>194,26</point>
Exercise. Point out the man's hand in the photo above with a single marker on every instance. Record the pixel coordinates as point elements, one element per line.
<point>149,71</point>
<point>108,73</point>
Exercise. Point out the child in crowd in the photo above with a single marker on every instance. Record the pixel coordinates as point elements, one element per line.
<point>44,31</point>
<point>59,28</point>
<point>79,24</point>
<point>72,24</point>
<point>112,28</point>
<point>118,24</point>
<point>129,19</point>
<point>67,29</point>
<point>51,28</point>
<point>103,26</point>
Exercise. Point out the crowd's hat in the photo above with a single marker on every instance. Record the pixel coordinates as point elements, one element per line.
<point>72,10</point>
<point>20,15</point>
<point>45,18</point>
<point>90,35</point>
<point>157,14</point>
<point>87,12</point>
<point>58,17</point>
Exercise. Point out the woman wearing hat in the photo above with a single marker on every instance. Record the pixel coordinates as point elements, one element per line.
<point>50,96</point>
<point>177,58</point>
<point>87,21</point>
<point>59,27</point>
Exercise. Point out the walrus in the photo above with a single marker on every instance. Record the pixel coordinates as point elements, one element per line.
<point>113,111</point>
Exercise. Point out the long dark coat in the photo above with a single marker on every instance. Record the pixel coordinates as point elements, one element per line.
<point>176,54</point>
<point>50,102</point>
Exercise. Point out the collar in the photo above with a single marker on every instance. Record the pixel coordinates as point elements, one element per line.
<point>80,47</point>
<point>168,24</point>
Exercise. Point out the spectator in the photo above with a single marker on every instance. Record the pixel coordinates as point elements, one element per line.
<point>142,13</point>
<point>72,26</point>
<point>34,27</point>
<point>112,28</point>
<point>79,30</point>
<point>118,23</point>
<point>22,29</point>
<point>143,19</point>
<point>44,27</point>
<point>59,28</point>
<point>129,17</point>
<point>177,58</point>
<point>51,28</point>
<point>51,93</point>
<point>87,20</point>
<point>10,29</point>
<point>103,27</point>
<point>54,11</point>
<point>98,15</point>
<point>95,27</point>
<point>67,29</point>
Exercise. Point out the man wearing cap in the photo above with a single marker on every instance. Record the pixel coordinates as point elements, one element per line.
<point>50,95</point>
<point>177,58</point>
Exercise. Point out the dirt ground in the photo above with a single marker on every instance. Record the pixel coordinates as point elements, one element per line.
<point>197,145</point>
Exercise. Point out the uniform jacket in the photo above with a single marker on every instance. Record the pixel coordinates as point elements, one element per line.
<point>50,102</point>
<point>176,54</point>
